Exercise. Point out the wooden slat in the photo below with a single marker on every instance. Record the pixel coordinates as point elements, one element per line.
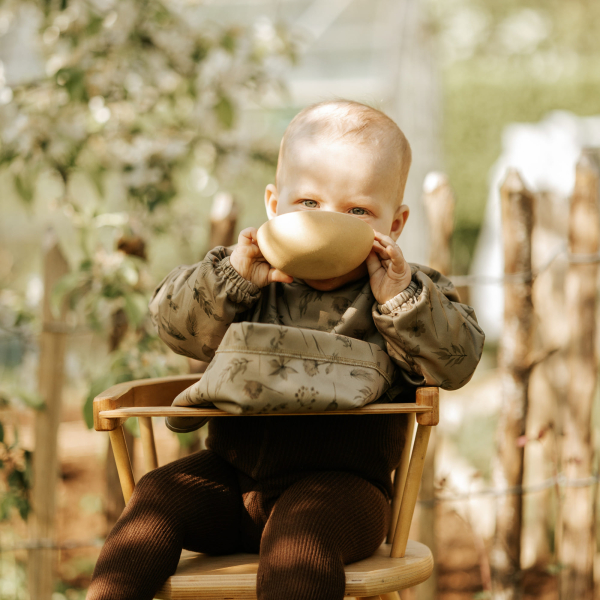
<point>428,396</point>
<point>411,490</point>
<point>400,478</point>
<point>117,439</point>
<point>148,444</point>
<point>120,389</point>
<point>201,576</point>
<point>159,391</point>
<point>182,411</point>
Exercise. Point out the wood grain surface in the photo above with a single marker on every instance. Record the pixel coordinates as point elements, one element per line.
<point>183,411</point>
<point>223,577</point>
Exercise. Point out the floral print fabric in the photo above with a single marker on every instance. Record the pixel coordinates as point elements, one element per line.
<point>431,337</point>
<point>264,368</point>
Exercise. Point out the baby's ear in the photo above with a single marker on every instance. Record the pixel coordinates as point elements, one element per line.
<point>400,218</point>
<point>271,200</point>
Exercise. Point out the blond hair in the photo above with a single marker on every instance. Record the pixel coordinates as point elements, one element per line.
<point>336,120</point>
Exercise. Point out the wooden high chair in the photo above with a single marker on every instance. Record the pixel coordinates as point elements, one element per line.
<point>398,564</point>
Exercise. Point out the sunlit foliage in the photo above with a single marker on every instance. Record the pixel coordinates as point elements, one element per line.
<point>134,100</point>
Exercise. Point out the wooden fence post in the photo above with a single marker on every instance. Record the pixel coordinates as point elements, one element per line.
<point>578,537</point>
<point>42,526</point>
<point>439,205</point>
<point>515,354</point>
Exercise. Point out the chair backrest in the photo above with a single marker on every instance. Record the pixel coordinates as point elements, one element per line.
<point>147,398</point>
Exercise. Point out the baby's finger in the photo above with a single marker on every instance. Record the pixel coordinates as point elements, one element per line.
<point>381,250</point>
<point>384,240</point>
<point>373,263</point>
<point>247,236</point>
<point>396,256</point>
<point>277,275</point>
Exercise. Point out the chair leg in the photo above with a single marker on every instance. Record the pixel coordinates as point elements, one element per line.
<point>147,436</point>
<point>409,499</point>
<point>391,596</point>
<point>117,439</point>
<point>400,478</point>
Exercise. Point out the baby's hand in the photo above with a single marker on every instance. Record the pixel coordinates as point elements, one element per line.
<point>388,271</point>
<point>248,261</point>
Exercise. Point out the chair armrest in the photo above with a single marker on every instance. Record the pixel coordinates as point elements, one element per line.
<point>153,398</point>
<point>156,392</point>
<point>126,412</point>
<point>430,397</point>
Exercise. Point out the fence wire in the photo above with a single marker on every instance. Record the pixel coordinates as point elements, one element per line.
<point>559,480</point>
<point>525,276</point>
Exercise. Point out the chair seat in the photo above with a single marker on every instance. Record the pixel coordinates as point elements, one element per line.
<point>234,576</point>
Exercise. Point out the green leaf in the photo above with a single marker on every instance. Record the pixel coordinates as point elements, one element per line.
<point>5,507</point>
<point>1,433</point>
<point>96,175</point>
<point>25,187</point>
<point>16,480</point>
<point>228,41</point>
<point>23,507</point>
<point>198,55</point>
<point>133,426</point>
<point>136,308</point>
<point>16,440</point>
<point>7,155</point>
<point>73,80</point>
<point>31,399</point>
<point>225,112</point>
<point>94,25</point>
<point>88,411</point>
<point>98,385</point>
<point>64,287</point>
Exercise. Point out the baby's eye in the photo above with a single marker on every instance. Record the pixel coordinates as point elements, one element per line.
<point>310,203</point>
<point>358,211</point>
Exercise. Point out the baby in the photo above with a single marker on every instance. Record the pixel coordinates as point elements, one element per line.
<point>309,494</point>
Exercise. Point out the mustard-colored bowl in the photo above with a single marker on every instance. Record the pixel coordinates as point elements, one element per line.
<point>316,244</point>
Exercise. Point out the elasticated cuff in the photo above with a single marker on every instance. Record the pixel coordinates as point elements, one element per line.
<point>401,299</point>
<point>241,291</point>
<point>185,424</point>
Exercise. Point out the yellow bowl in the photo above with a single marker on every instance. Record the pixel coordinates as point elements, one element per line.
<point>316,244</point>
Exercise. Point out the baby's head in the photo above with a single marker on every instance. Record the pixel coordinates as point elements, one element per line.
<point>345,157</point>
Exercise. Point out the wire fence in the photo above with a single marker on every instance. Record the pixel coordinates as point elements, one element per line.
<point>559,480</point>
<point>524,276</point>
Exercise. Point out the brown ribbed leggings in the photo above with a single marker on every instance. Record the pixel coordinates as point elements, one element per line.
<point>305,526</point>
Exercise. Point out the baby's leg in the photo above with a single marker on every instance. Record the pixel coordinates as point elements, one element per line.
<point>318,525</point>
<point>192,503</point>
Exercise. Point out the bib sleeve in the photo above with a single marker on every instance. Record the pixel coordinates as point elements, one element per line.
<point>429,334</point>
<point>193,306</point>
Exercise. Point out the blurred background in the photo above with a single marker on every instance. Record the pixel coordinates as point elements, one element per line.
<point>135,135</point>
